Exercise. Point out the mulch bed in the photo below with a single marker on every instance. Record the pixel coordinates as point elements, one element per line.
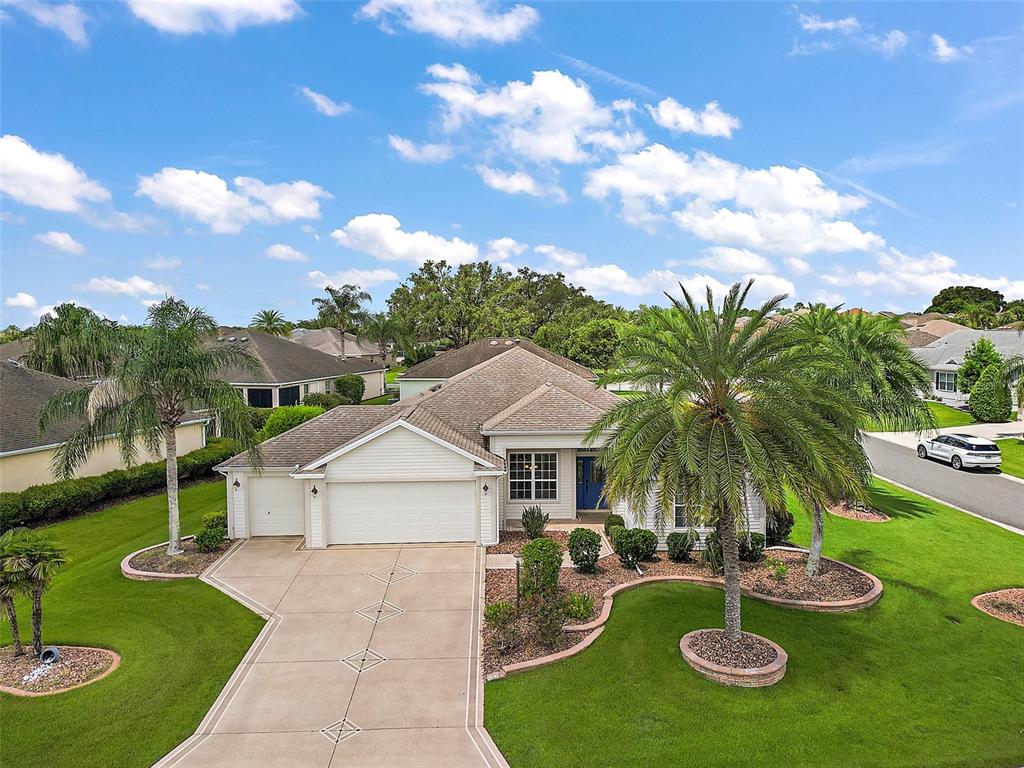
<point>1006,604</point>
<point>858,512</point>
<point>190,561</point>
<point>512,542</point>
<point>749,653</point>
<point>75,667</point>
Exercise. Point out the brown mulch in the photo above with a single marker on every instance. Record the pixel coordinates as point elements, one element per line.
<point>858,512</point>
<point>748,653</point>
<point>191,561</point>
<point>834,582</point>
<point>76,666</point>
<point>512,542</point>
<point>1006,604</point>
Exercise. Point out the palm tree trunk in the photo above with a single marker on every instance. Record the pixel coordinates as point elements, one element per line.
<point>12,617</point>
<point>37,618</point>
<point>814,556</point>
<point>343,355</point>
<point>731,557</point>
<point>173,524</point>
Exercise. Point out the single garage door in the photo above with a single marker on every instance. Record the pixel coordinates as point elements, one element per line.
<point>275,507</point>
<point>396,512</point>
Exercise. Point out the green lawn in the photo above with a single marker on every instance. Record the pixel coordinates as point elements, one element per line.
<point>391,377</point>
<point>382,400</point>
<point>921,678</point>
<point>1013,456</point>
<point>179,643</point>
<point>947,416</point>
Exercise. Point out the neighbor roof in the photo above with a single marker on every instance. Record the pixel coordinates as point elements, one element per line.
<point>455,361</point>
<point>917,338</point>
<point>949,351</point>
<point>14,350</point>
<point>328,341</point>
<point>281,361</point>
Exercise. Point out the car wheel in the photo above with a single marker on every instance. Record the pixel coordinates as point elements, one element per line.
<point>957,463</point>
<point>922,452</point>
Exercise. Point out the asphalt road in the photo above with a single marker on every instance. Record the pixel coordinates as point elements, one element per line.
<point>979,491</point>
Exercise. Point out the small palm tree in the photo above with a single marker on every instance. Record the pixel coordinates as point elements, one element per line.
<point>37,559</point>
<point>14,581</point>
<point>384,330</point>
<point>157,374</point>
<point>342,308</point>
<point>728,408</point>
<point>270,321</point>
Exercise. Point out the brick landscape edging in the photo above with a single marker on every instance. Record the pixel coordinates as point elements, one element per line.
<point>551,658</point>
<point>114,664</point>
<point>754,677</point>
<point>976,602</point>
<point>133,573</point>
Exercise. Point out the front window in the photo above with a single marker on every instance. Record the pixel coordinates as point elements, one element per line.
<point>533,476</point>
<point>945,381</point>
<point>683,516</point>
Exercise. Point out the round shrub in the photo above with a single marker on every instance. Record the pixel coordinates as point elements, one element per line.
<point>680,545</point>
<point>990,399</point>
<point>779,525</point>
<point>647,543</point>
<point>613,536</point>
<point>351,387</point>
<point>214,531</point>
<point>611,521</point>
<point>751,548</point>
<point>711,556</point>
<point>584,549</point>
<point>632,546</point>
<point>542,560</point>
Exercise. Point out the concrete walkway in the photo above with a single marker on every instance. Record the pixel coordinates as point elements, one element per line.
<point>370,658</point>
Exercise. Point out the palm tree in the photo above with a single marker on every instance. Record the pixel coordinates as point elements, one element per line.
<point>873,366</point>
<point>13,582</point>
<point>37,559</point>
<point>384,330</point>
<point>342,308</point>
<point>728,408</point>
<point>156,376</point>
<point>73,342</point>
<point>270,321</point>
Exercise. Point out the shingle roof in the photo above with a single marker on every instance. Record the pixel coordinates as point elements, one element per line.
<point>14,350</point>
<point>954,346</point>
<point>282,361</point>
<point>547,407</point>
<point>455,361</point>
<point>916,338</point>
<point>328,341</point>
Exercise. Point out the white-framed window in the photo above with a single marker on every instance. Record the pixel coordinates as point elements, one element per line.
<point>305,389</point>
<point>327,386</point>
<point>533,476</point>
<point>945,381</point>
<point>682,517</point>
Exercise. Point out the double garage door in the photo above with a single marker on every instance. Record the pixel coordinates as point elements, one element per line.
<point>401,512</point>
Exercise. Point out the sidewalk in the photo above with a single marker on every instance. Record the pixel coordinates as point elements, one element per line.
<point>987,431</point>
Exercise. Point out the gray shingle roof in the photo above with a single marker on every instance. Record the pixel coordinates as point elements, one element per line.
<point>455,361</point>
<point>23,392</point>
<point>545,408</point>
<point>954,346</point>
<point>328,341</point>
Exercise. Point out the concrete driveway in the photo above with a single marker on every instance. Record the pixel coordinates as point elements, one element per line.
<point>370,657</point>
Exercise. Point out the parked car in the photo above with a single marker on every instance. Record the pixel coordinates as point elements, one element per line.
<point>961,451</point>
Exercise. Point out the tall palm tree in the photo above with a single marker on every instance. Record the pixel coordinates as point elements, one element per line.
<point>13,582</point>
<point>728,408</point>
<point>342,308</point>
<point>384,330</point>
<point>155,377</point>
<point>73,342</point>
<point>270,321</point>
<point>873,366</point>
<point>37,558</point>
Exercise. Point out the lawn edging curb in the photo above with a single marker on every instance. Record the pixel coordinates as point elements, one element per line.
<point>754,677</point>
<point>976,602</point>
<point>133,573</point>
<point>551,658</point>
<point>115,662</point>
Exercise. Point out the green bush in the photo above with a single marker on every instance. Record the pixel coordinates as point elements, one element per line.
<point>751,547</point>
<point>611,521</point>
<point>258,416</point>
<point>325,400</point>
<point>778,568</point>
<point>213,533</point>
<point>534,521</point>
<point>680,545</point>
<point>542,560</point>
<point>613,537</point>
<point>647,541</point>
<point>584,549</point>
<point>579,606</point>
<point>632,545</point>
<point>779,525</point>
<point>990,400</point>
<point>547,613</point>
<point>351,386</point>
<point>501,617</point>
<point>288,417</point>
<point>711,556</point>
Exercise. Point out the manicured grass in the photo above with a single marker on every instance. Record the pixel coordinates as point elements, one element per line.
<point>921,678</point>
<point>947,416</point>
<point>1013,456</point>
<point>391,377</point>
<point>179,643</point>
<point>382,400</point>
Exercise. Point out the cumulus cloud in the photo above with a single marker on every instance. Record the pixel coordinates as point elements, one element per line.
<point>722,258</point>
<point>66,18</point>
<point>325,105</point>
<point>135,286</point>
<point>208,199</point>
<point>283,252</point>
<point>891,43</point>
<point>504,248</point>
<point>61,241</point>
<point>30,304</point>
<point>421,153</point>
<point>811,23</point>
<point>944,53</point>
<point>711,121</point>
<point>518,183</point>
<point>44,179</point>
<point>364,278</point>
<point>456,73</point>
<point>464,22</point>
<point>798,265</point>
<point>163,262</point>
<point>381,235</point>
<point>186,17</point>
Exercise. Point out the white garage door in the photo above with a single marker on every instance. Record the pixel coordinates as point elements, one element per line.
<point>275,507</point>
<point>386,513</point>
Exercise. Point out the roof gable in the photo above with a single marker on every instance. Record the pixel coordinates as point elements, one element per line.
<point>547,408</point>
<point>455,361</point>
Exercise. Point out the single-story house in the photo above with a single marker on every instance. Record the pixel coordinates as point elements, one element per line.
<point>287,371</point>
<point>438,369</point>
<point>452,464</point>
<point>328,340</point>
<point>945,355</point>
<point>25,455</point>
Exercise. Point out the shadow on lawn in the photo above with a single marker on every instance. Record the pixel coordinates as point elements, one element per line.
<point>898,506</point>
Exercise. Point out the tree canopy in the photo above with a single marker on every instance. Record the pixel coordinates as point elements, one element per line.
<point>957,298</point>
<point>981,355</point>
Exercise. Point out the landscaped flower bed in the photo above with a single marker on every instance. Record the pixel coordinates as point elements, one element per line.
<point>858,512</point>
<point>512,542</point>
<point>156,561</point>
<point>1005,604</point>
<point>25,675</point>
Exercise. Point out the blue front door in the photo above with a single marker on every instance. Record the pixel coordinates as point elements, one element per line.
<point>589,483</point>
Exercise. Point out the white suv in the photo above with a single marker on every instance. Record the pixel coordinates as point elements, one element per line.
<point>961,451</point>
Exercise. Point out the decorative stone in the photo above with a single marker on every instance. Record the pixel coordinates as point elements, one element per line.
<point>756,677</point>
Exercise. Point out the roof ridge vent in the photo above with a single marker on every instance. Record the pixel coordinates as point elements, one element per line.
<point>494,342</point>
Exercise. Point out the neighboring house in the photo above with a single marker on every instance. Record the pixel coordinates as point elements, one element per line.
<point>328,341</point>
<point>438,369</point>
<point>454,463</point>
<point>25,455</point>
<point>286,372</point>
<point>14,351</point>
<point>944,356</point>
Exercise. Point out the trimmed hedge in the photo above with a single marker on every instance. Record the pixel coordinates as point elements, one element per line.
<point>288,417</point>
<point>990,399</point>
<point>42,504</point>
<point>325,400</point>
<point>351,386</point>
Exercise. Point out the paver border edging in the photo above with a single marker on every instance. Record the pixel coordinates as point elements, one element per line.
<point>754,677</point>
<point>976,602</point>
<point>115,662</point>
<point>551,658</point>
<point>133,573</point>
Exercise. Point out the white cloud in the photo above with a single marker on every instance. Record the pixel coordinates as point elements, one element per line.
<point>66,18</point>
<point>381,235</point>
<point>135,286</point>
<point>61,241</point>
<point>798,265</point>
<point>457,73</point>
<point>364,278</point>
<point>163,262</point>
<point>22,299</point>
<point>561,258</point>
<point>207,198</point>
<point>721,258</point>
<point>202,286</point>
<point>944,53</point>
<point>324,105</point>
<point>812,23</point>
<point>518,183</point>
<point>605,76</point>
<point>283,252</point>
<point>830,298</point>
<point>421,153</point>
<point>891,43</point>
<point>185,17</point>
<point>44,179</point>
<point>711,121</point>
<point>465,22</point>
<point>504,248</point>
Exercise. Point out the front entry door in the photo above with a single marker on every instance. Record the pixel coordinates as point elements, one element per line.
<point>589,484</point>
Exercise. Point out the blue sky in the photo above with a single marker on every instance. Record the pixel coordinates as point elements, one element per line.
<point>242,155</point>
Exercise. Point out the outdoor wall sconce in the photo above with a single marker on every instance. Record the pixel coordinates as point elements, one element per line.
<point>314,491</point>
<point>237,484</point>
